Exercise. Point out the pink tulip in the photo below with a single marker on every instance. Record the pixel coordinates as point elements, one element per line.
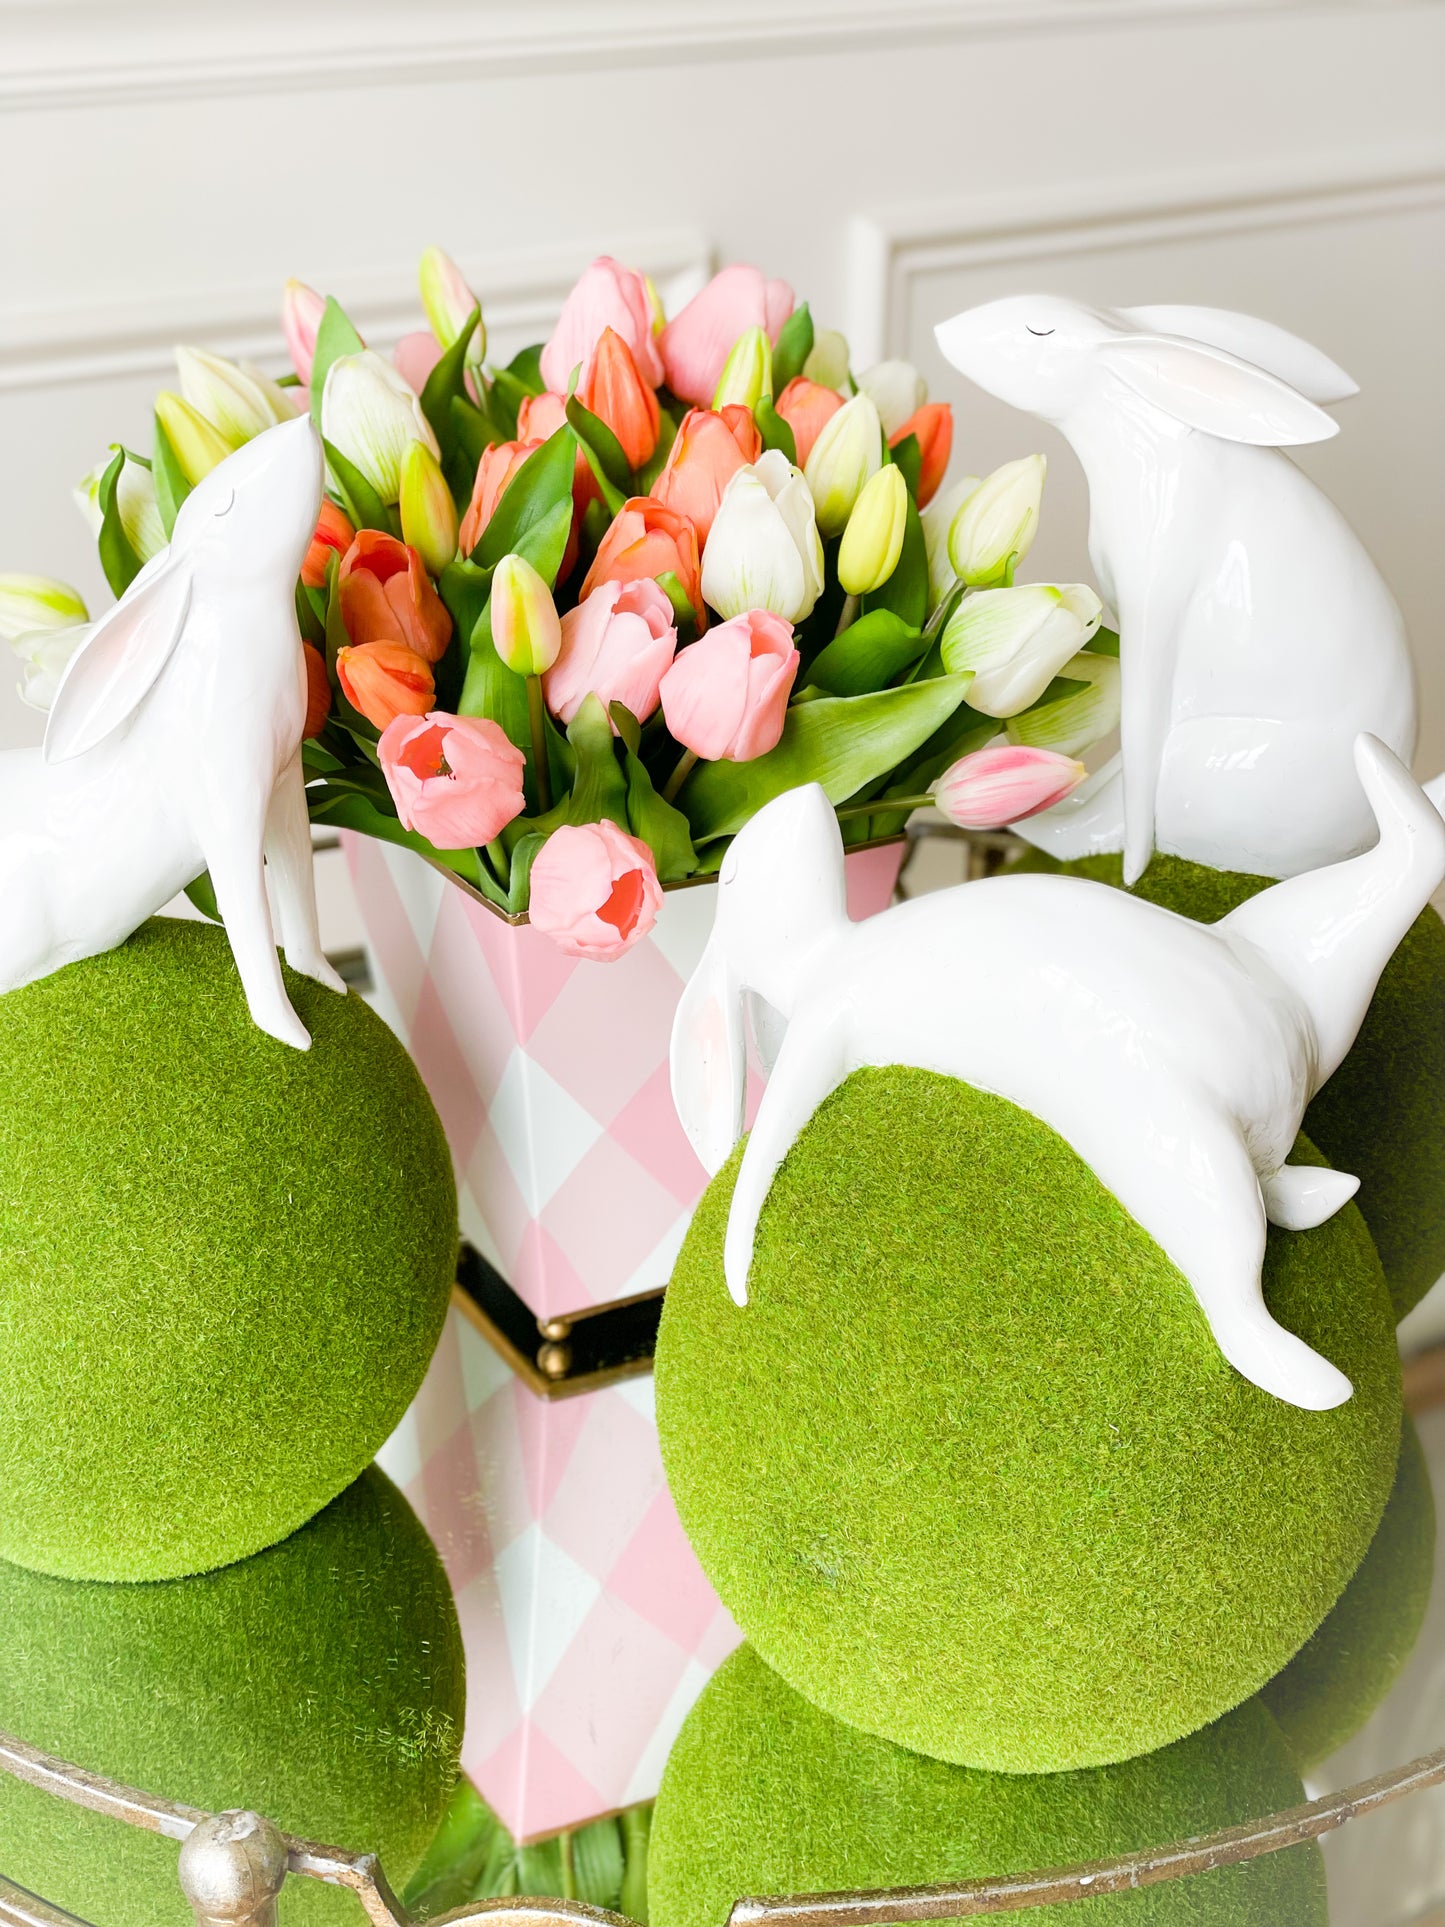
<point>725,697</point>
<point>594,890</point>
<point>1000,785</point>
<point>540,416</point>
<point>708,451</point>
<point>606,296</point>
<point>414,357</point>
<point>456,780</point>
<point>695,343</point>
<point>301,312</point>
<point>617,645</point>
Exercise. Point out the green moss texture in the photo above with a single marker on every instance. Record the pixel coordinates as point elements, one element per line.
<point>1333,1685</point>
<point>763,1794</point>
<point>1382,1114</point>
<point>969,1468</point>
<point>320,1683</point>
<point>224,1263</point>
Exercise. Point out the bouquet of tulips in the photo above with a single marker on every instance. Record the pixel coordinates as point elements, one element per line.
<point>569,622</point>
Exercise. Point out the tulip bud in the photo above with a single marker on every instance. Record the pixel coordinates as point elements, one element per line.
<point>848,450</point>
<point>747,373</point>
<point>995,528</point>
<point>1075,722</point>
<point>525,626</point>
<point>873,539</point>
<point>1015,641</point>
<point>897,391</point>
<point>135,493</point>
<point>301,312</point>
<point>937,520</point>
<point>32,602</point>
<point>763,551</point>
<point>198,446</point>
<point>827,362</point>
<point>384,680</point>
<point>999,785</point>
<point>371,415</point>
<point>428,513</point>
<point>449,302</point>
<point>235,401</point>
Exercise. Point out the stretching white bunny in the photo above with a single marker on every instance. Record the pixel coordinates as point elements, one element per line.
<point>174,746</point>
<point>1257,638</point>
<point>1177,1060</point>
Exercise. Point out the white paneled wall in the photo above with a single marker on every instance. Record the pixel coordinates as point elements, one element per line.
<point>165,165</point>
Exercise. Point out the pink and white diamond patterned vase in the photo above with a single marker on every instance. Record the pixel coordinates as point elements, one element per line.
<point>589,1626</point>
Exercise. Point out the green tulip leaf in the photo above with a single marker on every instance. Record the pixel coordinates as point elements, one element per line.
<point>906,590</point>
<point>776,433</point>
<point>473,433</point>
<point>119,560</point>
<point>660,825</point>
<point>534,516</point>
<point>684,616</point>
<point>869,654</point>
<point>604,454</point>
<point>1104,642</point>
<point>334,338</point>
<point>909,457</point>
<point>493,690</point>
<point>202,893</point>
<point>172,488</point>
<point>519,885</point>
<point>447,383</point>
<point>842,742</point>
<point>656,462</point>
<point>795,344</point>
<point>599,789</point>
<point>351,810</point>
<point>504,398</point>
<point>361,501</point>
<point>525,368</point>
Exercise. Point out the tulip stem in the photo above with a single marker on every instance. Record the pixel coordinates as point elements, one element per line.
<point>884,806</point>
<point>849,614</point>
<point>686,763</point>
<point>537,717</point>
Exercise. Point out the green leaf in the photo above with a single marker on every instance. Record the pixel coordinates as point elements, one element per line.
<point>457,1856</point>
<point>661,826</point>
<point>172,488</point>
<point>523,856</point>
<point>492,689</point>
<point>203,895</point>
<point>473,433</point>
<point>1076,711</point>
<point>504,398</point>
<point>445,384</point>
<point>657,461</point>
<point>604,453</point>
<point>597,1863</point>
<point>1104,642</point>
<point>599,789</point>
<point>683,613</point>
<point>795,344</point>
<point>636,1825</point>
<point>334,338</point>
<point>869,654</point>
<point>119,560</point>
<point>1058,691</point>
<point>906,590</point>
<point>362,504</point>
<point>842,742</point>
<point>909,457</point>
<point>311,625</point>
<point>350,810</point>
<point>525,368</point>
<point>776,433</point>
<point>534,516</point>
<point>464,588</point>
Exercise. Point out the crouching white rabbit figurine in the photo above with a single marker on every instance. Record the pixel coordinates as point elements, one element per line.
<point>174,746</point>
<point>1256,637</point>
<point>1176,1059</point>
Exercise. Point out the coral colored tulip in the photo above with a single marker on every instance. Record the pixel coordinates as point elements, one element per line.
<point>616,393</point>
<point>318,690</point>
<point>595,891</point>
<point>449,304</point>
<point>848,450</point>
<point>696,343</point>
<point>428,513</point>
<point>456,780</point>
<point>525,626</point>
<point>1015,641</point>
<point>807,406</point>
<point>372,416</point>
<point>708,451</point>
<point>726,697</point>
<point>873,539</point>
<point>386,596</point>
<point>197,445</point>
<point>498,465</point>
<point>385,680</point>
<point>606,295</point>
<point>995,528</point>
<point>414,357</point>
<point>647,540</point>
<point>933,425</point>
<point>1002,784</point>
<point>617,646</point>
<point>334,536</point>
<point>540,416</point>
<point>301,312</point>
<point>764,551</point>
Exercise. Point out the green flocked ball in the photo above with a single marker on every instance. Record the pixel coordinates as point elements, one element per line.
<point>969,1468</point>
<point>1333,1685</point>
<point>763,1794</point>
<point>320,1683</point>
<point>224,1263</point>
<point>1382,1114</point>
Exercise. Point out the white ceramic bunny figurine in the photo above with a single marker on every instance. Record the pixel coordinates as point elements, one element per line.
<point>174,745</point>
<point>1176,1059</point>
<point>1257,638</point>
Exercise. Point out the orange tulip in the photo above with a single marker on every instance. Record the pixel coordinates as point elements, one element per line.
<point>318,690</point>
<point>933,425</point>
<point>612,388</point>
<point>385,680</point>
<point>333,533</point>
<point>709,450</point>
<point>647,540</point>
<point>496,468</point>
<point>806,406</point>
<point>387,596</point>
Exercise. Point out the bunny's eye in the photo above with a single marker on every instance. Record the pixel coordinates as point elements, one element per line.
<point>226,504</point>
<point>1039,331</point>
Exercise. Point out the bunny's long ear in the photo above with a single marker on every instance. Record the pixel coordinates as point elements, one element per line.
<point>709,1059</point>
<point>116,665</point>
<point>1206,388</point>
<point>1274,349</point>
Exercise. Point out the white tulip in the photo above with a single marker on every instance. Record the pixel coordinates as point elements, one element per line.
<point>32,602</point>
<point>827,361</point>
<point>370,414</point>
<point>763,551</point>
<point>849,450</point>
<point>937,520</point>
<point>45,654</point>
<point>996,526</point>
<point>235,398</point>
<point>140,514</point>
<point>1015,641</point>
<point>896,389</point>
<point>1074,723</point>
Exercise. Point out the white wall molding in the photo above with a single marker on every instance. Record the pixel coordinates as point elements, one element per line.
<point>521,295</point>
<point>891,249</point>
<point>74,53</point>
